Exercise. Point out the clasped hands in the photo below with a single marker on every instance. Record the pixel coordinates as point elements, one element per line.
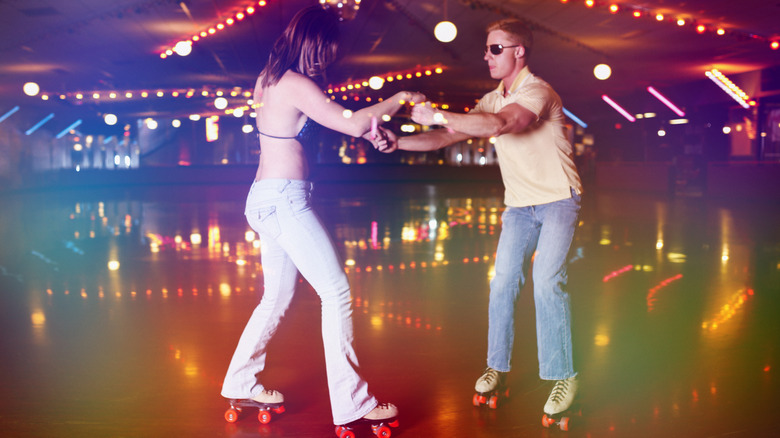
<point>423,113</point>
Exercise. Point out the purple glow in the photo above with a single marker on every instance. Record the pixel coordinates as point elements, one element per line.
<point>618,108</point>
<point>666,101</point>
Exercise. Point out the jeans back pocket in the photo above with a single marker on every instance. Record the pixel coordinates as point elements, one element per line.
<point>264,221</point>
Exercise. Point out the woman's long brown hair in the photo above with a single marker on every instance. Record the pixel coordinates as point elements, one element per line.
<point>307,46</point>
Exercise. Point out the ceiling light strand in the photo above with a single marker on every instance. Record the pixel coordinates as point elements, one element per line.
<point>357,85</point>
<point>184,45</point>
<point>730,88</point>
<point>700,24</point>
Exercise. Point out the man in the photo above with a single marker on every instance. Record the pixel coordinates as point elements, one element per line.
<point>542,197</point>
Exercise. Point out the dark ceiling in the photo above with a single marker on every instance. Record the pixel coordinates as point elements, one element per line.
<point>113,45</point>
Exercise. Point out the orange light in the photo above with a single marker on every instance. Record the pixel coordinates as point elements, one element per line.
<point>613,8</point>
<point>700,28</point>
<point>637,14</point>
<point>589,3</point>
<point>775,45</point>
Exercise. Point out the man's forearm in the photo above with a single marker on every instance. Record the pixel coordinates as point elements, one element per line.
<point>431,140</point>
<point>481,125</point>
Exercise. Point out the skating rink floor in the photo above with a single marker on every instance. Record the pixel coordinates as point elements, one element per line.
<point>120,309</point>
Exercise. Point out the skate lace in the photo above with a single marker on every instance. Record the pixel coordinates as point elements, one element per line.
<point>490,375</point>
<point>559,390</point>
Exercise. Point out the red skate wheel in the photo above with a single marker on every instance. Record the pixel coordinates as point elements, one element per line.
<point>264,417</point>
<point>475,400</point>
<point>564,424</point>
<point>382,432</point>
<point>346,433</point>
<point>493,402</point>
<point>231,415</point>
<point>393,424</point>
<point>279,409</point>
<point>547,421</point>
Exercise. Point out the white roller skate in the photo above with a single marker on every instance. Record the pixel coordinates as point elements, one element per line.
<point>559,405</point>
<point>265,402</point>
<point>490,387</point>
<point>380,420</point>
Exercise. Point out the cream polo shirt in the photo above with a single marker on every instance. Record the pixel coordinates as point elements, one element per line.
<point>537,164</point>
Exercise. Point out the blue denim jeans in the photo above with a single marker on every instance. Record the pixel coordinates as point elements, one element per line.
<point>292,240</point>
<point>548,230</point>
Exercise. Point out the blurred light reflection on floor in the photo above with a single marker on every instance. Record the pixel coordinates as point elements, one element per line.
<point>120,309</point>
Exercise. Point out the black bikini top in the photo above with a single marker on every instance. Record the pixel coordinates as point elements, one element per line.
<point>304,136</point>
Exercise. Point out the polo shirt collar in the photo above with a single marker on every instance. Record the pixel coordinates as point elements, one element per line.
<point>517,82</point>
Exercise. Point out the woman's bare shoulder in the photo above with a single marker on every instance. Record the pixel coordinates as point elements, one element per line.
<point>297,82</point>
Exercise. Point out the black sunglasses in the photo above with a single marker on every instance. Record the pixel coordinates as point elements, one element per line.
<point>497,49</point>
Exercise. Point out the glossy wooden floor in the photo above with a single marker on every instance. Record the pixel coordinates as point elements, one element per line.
<point>675,314</point>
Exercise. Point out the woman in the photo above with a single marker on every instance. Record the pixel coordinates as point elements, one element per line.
<point>292,237</point>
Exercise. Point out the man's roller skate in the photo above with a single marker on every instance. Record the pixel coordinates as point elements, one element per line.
<point>490,387</point>
<point>268,401</point>
<point>381,419</point>
<point>558,409</point>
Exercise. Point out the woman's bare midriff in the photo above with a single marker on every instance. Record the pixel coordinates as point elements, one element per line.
<point>281,159</point>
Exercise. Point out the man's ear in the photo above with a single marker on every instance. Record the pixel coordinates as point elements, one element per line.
<point>519,52</point>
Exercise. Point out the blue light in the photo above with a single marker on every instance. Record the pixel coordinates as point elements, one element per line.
<point>65,131</point>
<point>576,119</point>
<point>9,113</point>
<point>39,124</point>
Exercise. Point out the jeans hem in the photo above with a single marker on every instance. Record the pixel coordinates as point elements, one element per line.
<point>358,416</point>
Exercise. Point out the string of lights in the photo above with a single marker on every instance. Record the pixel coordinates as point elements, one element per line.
<point>730,88</point>
<point>183,46</point>
<point>699,24</point>
<point>378,81</point>
<point>343,89</point>
<point>127,95</point>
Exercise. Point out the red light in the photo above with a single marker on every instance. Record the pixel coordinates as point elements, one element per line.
<point>637,14</point>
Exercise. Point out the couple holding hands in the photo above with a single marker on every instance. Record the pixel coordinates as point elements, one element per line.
<point>542,196</point>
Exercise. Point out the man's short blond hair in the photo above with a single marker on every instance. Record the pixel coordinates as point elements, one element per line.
<point>517,30</point>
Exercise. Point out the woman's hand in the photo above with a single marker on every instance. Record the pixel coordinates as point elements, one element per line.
<point>384,140</point>
<point>413,97</point>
